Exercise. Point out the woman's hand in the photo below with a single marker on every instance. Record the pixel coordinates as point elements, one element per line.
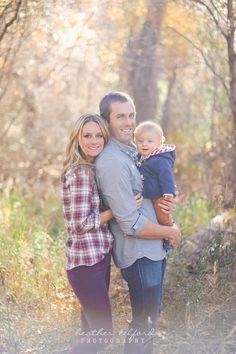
<point>105,216</point>
<point>139,200</point>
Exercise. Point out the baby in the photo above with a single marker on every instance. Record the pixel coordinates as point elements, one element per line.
<point>156,167</point>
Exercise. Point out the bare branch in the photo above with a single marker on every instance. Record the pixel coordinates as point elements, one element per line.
<point>5,9</point>
<point>216,9</point>
<point>3,91</point>
<point>200,2</point>
<point>9,56</point>
<point>208,64</point>
<point>4,133</point>
<point>13,19</point>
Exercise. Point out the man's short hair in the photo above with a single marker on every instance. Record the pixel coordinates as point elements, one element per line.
<point>108,99</point>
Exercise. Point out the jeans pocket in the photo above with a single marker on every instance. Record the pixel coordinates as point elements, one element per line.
<point>151,273</point>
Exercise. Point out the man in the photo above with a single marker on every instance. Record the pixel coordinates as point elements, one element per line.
<point>138,246</point>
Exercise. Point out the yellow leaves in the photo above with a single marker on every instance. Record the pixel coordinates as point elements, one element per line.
<point>39,36</point>
<point>141,8</point>
<point>178,27</point>
<point>18,288</point>
<point>208,146</point>
<point>65,302</point>
<point>137,12</point>
<point>126,16</point>
<point>73,25</point>
<point>178,17</point>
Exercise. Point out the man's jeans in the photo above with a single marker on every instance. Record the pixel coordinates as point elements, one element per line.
<point>145,280</point>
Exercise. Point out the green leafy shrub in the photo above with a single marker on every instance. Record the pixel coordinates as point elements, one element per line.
<point>193,214</point>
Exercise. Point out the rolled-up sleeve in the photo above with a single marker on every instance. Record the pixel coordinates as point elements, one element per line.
<point>115,184</point>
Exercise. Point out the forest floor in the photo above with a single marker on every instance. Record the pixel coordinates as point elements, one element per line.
<point>198,316</point>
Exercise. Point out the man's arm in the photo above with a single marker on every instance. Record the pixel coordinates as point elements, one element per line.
<point>114,181</point>
<point>153,231</point>
<point>115,184</point>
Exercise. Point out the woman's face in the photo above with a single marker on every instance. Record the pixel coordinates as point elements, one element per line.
<point>92,140</point>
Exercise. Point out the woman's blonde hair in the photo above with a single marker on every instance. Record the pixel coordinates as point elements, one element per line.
<point>74,156</point>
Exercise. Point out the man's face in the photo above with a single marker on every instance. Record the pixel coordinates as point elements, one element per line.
<point>122,121</point>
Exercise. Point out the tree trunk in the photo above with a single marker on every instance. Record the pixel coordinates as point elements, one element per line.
<point>167,104</point>
<point>232,72</point>
<point>143,67</point>
<point>227,30</point>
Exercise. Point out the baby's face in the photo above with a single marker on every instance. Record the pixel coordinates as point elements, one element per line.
<point>147,142</point>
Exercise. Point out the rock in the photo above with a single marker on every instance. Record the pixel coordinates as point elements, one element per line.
<point>222,229</point>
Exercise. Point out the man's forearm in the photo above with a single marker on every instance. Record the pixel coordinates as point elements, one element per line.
<point>153,231</point>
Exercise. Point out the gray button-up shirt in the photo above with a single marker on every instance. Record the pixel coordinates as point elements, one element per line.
<point>118,181</point>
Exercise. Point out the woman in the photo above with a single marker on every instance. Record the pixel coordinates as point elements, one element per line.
<point>89,240</point>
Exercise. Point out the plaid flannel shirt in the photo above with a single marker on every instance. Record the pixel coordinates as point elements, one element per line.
<point>87,240</point>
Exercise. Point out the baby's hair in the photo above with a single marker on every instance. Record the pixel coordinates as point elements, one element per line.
<point>148,126</point>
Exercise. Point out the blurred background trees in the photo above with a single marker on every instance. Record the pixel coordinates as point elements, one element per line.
<point>175,58</point>
<point>57,59</point>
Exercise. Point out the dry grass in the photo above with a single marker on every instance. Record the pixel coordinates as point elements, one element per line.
<point>39,313</point>
<point>200,309</point>
<point>199,316</point>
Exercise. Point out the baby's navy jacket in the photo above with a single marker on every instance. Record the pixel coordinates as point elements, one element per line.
<point>157,172</point>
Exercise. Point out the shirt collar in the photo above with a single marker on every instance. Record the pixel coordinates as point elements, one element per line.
<point>129,149</point>
<point>163,148</point>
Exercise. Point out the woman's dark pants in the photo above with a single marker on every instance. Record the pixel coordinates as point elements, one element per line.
<point>91,284</point>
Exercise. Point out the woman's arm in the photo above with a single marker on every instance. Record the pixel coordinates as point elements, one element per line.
<point>106,216</point>
<point>79,209</point>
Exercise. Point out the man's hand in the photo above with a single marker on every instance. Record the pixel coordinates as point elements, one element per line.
<point>175,238</point>
<point>168,206</point>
